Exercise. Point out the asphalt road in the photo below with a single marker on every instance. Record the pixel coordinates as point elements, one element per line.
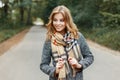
<point>21,62</point>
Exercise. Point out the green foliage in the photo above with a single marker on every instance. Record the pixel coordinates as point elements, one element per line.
<point>84,12</point>
<point>108,33</point>
<point>6,34</point>
<point>110,20</point>
<point>7,31</point>
<point>111,6</point>
<point>50,4</point>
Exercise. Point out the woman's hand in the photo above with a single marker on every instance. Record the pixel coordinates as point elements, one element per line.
<point>74,63</point>
<point>59,65</point>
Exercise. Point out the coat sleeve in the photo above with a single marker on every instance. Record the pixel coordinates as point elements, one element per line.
<point>88,58</point>
<point>46,59</point>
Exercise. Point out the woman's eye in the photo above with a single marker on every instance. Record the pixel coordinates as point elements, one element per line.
<point>62,20</point>
<point>54,19</point>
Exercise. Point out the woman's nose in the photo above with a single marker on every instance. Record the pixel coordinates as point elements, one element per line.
<point>58,22</point>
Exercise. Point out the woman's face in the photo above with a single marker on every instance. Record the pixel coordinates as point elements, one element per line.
<point>59,23</point>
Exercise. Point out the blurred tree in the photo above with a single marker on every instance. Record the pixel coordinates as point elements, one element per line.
<point>38,8</point>
<point>5,8</point>
<point>88,13</point>
<point>12,6</point>
<point>21,7</point>
<point>50,4</point>
<point>85,12</point>
<point>112,6</point>
<point>25,6</point>
<point>29,7</point>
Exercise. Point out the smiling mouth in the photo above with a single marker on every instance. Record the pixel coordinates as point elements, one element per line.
<point>58,27</point>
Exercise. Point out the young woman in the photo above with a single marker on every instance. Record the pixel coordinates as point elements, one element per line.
<point>66,46</point>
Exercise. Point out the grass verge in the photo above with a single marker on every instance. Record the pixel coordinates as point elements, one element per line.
<point>109,37</point>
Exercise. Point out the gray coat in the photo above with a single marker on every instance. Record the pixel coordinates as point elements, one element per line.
<point>47,56</point>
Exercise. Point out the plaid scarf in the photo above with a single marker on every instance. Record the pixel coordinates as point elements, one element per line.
<point>64,47</point>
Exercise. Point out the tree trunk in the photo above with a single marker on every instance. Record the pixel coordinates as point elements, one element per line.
<point>6,10</point>
<point>21,12</point>
<point>29,20</point>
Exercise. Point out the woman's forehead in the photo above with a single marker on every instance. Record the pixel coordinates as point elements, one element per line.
<point>58,15</point>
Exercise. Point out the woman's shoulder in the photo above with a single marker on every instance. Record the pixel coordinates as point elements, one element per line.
<point>47,42</point>
<point>47,45</point>
<point>80,35</point>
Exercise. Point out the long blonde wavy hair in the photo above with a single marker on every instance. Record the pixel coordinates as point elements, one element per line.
<point>70,25</point>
